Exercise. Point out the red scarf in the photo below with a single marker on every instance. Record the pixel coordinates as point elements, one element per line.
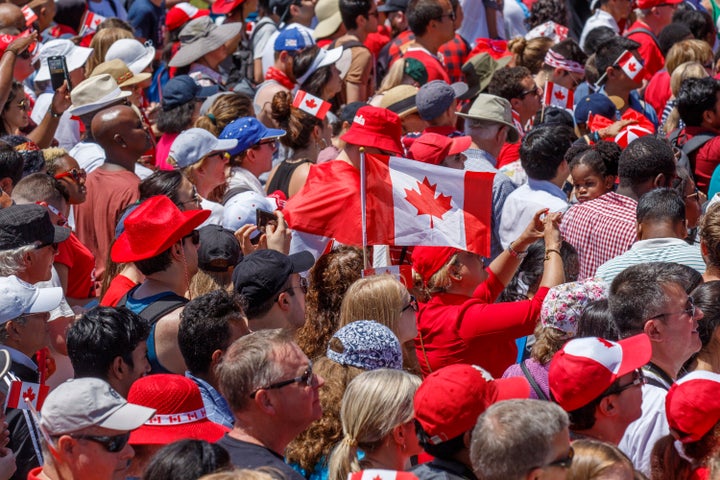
<point>275,74</point>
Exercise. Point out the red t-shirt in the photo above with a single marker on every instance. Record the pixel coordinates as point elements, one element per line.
<point>435,69</point>
<point>657,92</point>
<point>649,50</point>
<point>119,286</point>
<point>80,263</point>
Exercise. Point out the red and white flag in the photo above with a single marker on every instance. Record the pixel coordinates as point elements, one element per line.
<point>24,394</point>
<point>630,65</point>
<point>413,203</point>
<point>317,107</point>
<point>402,273</point>
<point>30,15</point>
<point>558,96</point>
<point>378,474</point>
<point>90,22</point>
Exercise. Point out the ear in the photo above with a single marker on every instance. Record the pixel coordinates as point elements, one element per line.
<point>283,301</point>
<point>609,181</point>
<point>6,184</point>
<point>515,103</point>
<point>651,330</point>
<point>11,328</point>
<point>467,437</point>
<point>639,230</point>
<point>398,435</point>
<point>703,249</point>
<point>660,181</point>
<point>708,116</point>
<point>534,474</point>
<point>117,367</point>
<point>681,229</point>
<point>607,406</point>
<point>317,131</point>
<point>177,251</point>
<point>215,358</point>
<point>119,140</point>
<point>65,445</point>
<point>264,402</point>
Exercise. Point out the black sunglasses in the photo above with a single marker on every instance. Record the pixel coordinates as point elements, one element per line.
<point>307,378</point>
<point>564,462</point>
<point>194,236</point>
<point>411,304</point>
<point>112,444</point>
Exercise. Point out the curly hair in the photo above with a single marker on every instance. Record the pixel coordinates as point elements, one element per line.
<point>505,82</point>
<point>530,53</point>
<point>709,233</point>
<point>298,124</point>
<point>548,341</point>
<point>329,278</point>
<point>545,11</point>
<point>314,445</point>
<point>224,110</point>
<point>602,157</point>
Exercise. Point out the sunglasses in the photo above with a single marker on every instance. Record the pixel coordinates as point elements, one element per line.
<point>196,199</point>
<point>77,174</point>
<point>112,444</point>
<point>307,378</point>
<point>54,246</point>
<point>638,379</point>
<point>413,303</point>
<point>194,237</point>
<point>564,462</point>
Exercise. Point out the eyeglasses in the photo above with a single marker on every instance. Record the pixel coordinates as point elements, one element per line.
<point>77,174</point>
<point>272,142</point>
<point>412,304</point>
<point>303,287</point>
<point>194,237</point>
<point>223,155</point>
<point>112,444</point>
<point>533,91</point>
<point>564,462</point>
<point>54,246</point>
<point>450,15</point>
<point>690,310</point>
<point>673,6</point>
<point>62,220</point>
<point>307,378</point>
<point>695,195</point>
<point>194,198</point>
<point>638,380</point>
<point>23,104</point>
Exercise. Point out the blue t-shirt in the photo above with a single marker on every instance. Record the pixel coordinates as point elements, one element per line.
<point>147,20</point>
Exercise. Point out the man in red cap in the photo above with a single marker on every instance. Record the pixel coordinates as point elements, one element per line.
<point>447,406</point>
<point>437,149</point>
<point>329,203</point>
<point>652,17</point>
<point>162,242</point>
<point>599,383</point>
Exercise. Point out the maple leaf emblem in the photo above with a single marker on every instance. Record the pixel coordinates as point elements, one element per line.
<point>377,477</point>
<point>560,95</point>
<point>605,343</point>
<point>426,202</point>
<point>29,395</point>
<point>311,103</point>
<point>632,66</point>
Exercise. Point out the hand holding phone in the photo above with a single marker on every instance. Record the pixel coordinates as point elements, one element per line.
<point>264,218</point>
<point>59,72</point>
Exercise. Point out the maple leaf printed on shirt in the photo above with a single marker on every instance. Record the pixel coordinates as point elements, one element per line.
<point>426,202</point>
<point>311,103</point>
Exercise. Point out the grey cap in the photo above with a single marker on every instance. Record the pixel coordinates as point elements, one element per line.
<point>494,109</point>
<point>434,98</point>
<point>90,402</point>
<point>478,72</point>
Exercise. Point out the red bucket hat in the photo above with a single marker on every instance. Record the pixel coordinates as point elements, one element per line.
<point>426,261</point>
<point>154,227</point>
<point>585,367</point>
<point>375,127</point>
<point>179,414</point>
<point>692,405</point>
<point>433,148</point>
<point>450,400</point>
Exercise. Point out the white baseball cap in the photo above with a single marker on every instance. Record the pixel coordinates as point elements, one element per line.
<point>75,56</point>
<point>18,298</point>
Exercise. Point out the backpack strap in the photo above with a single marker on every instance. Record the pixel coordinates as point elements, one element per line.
<point>541,395</point>
<point>158,309</point>
<point>646,32</point>
<point>696,142</point>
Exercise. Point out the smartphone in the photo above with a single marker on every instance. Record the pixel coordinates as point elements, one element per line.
<point>58,72</point>
<point>264,218</point>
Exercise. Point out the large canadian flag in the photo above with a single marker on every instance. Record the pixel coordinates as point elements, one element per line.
<point>630,65</point>
<point>558,96</point>
<point>414,203</point>
<point>22,395</point>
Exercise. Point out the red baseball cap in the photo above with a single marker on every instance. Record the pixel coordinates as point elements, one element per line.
<point>585,367</point>
<point>655,3</point>
<point>375,127</point>
<point>153,227</point>
<point>426,261</point>
<point>223,7</point>
<point>450,400</point>
<point>179,411</point>
<point>692,405</point>
<point>182,13</point>
<point>433,148</point>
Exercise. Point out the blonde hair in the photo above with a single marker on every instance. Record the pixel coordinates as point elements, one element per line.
<point>101,43</point>
<point>688,51</point>
<point>379,297</point>
<point>205,282</point>
<point>594,458</point>
<point>681,72</point>
<point>439,282</point>
<point>530,53</point>
<point>262,473</point>
<point>225,109</point>
<point>373,405</point>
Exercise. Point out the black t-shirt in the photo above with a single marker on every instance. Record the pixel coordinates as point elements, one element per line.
<point>249,455</point>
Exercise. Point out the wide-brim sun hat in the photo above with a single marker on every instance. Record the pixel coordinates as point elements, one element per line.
<point>120,72</point>
<point>202,36</point>
<point>135,55</point>
<point>329,18</point>
<point>95,93</point>
<point>154,227</point>
<point>75,57</point>
<point>375,127</point>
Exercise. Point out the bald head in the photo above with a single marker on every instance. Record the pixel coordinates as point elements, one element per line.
<point>119,130</point>
<point>12,20</point>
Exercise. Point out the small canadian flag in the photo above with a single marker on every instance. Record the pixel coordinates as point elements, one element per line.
<point>630,65</point>
<point>90,22</point>
<point>23,394</point>
<point>558,96</point>
<point>402,273</point>
<point>30,15</point>
<point>311,104</point>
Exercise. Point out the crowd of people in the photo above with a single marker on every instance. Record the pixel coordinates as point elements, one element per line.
<point>212,265</point>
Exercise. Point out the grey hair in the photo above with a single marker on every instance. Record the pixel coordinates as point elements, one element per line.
<point>637,293</point>
<point>12,262</point>
<point>483,129</point>
<point>515,436</point>
<point>21,320</point>
<point>249,364</point>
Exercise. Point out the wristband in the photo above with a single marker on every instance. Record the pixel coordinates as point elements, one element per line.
<point>551,250</point>
<point>53,113</point>
<point>514,253</point>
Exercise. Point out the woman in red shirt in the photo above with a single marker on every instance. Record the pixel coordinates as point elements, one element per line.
<point>460,323</point>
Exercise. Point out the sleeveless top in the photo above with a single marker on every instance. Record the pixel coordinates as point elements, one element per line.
<point>283,174</point>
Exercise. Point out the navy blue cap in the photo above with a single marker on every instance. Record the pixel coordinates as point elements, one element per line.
<point>182,89</point>
<point>248,131</point>
<point>597,104</point>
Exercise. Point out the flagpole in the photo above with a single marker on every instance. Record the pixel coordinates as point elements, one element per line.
<point>363,204</point>
<point>542,112</point>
